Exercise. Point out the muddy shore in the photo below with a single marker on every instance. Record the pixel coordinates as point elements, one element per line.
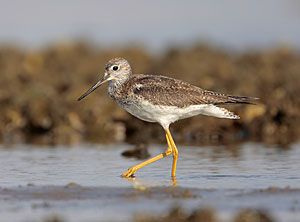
<point>38,91</point>
<point>61,203</point>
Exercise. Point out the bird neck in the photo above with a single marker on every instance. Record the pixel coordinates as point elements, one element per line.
<point>115,85</point>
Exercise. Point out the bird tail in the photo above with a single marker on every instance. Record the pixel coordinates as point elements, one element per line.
<point>242,99</point>
<point>215,111</point>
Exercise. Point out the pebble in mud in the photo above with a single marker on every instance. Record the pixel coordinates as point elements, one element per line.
<point>177,214</point>
<point>251,215</point>
<point>53,218</point>
<point>139,152</point>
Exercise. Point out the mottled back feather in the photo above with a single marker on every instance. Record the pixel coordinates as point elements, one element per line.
<point>161,90</point>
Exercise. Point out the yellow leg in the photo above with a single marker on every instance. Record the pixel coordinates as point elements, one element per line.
<point>171,144</point>
<point>131,171</point>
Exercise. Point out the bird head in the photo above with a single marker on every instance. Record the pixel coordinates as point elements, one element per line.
<point>116,70</point>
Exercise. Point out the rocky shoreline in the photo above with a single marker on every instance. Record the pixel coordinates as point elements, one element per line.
<point>38,91</point>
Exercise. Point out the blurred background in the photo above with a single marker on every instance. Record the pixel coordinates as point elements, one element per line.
<point>52,51</point>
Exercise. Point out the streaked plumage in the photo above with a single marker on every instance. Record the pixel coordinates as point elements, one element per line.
<point>162,90</point>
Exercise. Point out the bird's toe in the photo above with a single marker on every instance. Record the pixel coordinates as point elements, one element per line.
<point>130,172</point>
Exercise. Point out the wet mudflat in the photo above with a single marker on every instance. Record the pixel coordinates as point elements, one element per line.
<point>83,183</point>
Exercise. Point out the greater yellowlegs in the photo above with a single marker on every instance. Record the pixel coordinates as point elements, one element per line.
<point>161,99</point>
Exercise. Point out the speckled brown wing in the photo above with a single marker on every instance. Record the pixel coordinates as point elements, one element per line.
<point>161,90</point>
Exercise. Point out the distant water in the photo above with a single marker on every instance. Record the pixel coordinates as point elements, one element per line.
<point>155,24</point>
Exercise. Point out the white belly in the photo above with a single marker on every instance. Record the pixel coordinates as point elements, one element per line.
<point>165,115</point>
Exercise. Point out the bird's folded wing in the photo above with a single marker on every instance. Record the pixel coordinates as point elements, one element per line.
<point>161,90</point>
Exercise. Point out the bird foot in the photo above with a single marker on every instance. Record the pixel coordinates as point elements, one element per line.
<point>130,172</point>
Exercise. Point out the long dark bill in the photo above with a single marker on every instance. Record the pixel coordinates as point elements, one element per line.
<point>93,88</point>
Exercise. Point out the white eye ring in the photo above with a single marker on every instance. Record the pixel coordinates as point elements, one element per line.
<point>115,68</point>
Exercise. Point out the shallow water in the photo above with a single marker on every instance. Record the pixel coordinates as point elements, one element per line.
<point>252,167</point>
<point>33,182</point>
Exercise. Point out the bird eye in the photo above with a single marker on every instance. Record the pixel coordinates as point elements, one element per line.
<point>115,68</point>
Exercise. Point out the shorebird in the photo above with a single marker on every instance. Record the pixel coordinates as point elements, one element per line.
<point>161,99</point>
